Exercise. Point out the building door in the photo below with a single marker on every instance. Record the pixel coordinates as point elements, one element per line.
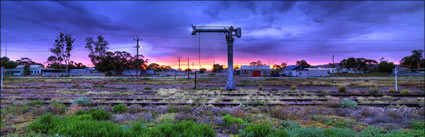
<point>256,73</point>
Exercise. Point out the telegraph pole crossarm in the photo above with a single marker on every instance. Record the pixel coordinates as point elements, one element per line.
<point>229,31</point>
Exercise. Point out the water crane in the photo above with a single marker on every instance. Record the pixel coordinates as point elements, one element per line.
<point>230,32</point>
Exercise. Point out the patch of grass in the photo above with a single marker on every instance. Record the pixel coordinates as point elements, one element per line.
<point>255,130</point>
<point>340,132</point>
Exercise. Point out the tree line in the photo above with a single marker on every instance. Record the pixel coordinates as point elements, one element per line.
<point>416,60</point>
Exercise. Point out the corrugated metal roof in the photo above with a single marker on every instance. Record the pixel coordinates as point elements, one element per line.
<point>291,67</point>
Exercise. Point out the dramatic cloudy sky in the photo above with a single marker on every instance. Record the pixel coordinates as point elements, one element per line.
<point>272,31</point>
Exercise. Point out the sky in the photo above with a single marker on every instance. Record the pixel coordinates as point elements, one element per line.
<point>272,31</point>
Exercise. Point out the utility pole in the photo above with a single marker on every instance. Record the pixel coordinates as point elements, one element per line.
<point>333,63</point>
<point>188,67</point>
<point>137,56</point>
<point>179,64</point>
<point>199,56</point>
<point>1,71</point>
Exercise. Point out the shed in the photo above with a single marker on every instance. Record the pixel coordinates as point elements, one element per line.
<point>255,71</point>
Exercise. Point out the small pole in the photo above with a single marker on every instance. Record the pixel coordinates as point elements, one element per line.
<point>395,75</point>
<point>195,81</point>
<point>2,68</point>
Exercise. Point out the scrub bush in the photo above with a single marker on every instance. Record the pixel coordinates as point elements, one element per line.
<point>83,101</point>
<point>342,89</point>
<point>348,103</point>
<point>289,125</point>
<point>120,108</point>
<point>373,91</point>
<point>96,114</point>
<point>56,108</point>
<point>169,117</point>
<point>405,92</point>
<point>229,120</point>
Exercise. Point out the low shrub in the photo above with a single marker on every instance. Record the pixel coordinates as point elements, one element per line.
<point>239,113</point>
<point>289,125</point>
<point>281,113</point>
<point>83,101</point>
<point>36,103</point>
<point>255,130</point>
<point>96,114</point>
<point>405,92</point>
<point>342,89</point>
<point>340,132</point>
<point>324,92</point>
<point>134,108</point>
<point>185,117</point>
<point>18,108</point>
<point>229,120</point>
<point>120,108</point>
<point>56,108</point>
<point>348,103</point>
<point>169,117</point>
<point>293,87</point>
<point>373,91</point>
<point>391,90</point>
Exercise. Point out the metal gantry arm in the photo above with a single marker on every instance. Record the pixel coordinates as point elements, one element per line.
<point>230,32</point>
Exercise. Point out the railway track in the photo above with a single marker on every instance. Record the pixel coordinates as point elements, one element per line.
<point>222,102</point>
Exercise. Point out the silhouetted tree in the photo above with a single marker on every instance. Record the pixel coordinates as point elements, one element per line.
<point>118,61</point>
<point>62,50</point>
<point>415,60</point>
<point>27,61</point>
<point>257,63</point>
<point>385,66</point>
<point>303,63</point>
<point>97,48</point>
<point>217,68</point>
<point>6,63</point>
<point>202,70</point>
<point>359,64</point>
<point>277,67</point>
<point>283,65</point>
